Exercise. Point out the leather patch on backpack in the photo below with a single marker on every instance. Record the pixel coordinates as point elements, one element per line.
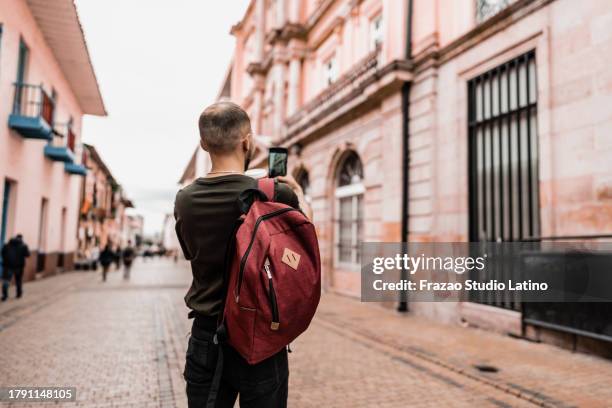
<point>291,258</point>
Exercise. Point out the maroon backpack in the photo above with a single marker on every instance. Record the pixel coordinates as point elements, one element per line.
<point>274,276</point>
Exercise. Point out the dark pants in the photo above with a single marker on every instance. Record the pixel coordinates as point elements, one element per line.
<point>127,267</point>
<point>7,275</point>
<point>260,385</point>
<point>105,269</point>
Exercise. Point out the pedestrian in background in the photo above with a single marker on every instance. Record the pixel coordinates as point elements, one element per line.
<point>14,255</point>
<point>118,255</point>
<point>106,259</point>
<point>128,257</point>
<point>95,256</point>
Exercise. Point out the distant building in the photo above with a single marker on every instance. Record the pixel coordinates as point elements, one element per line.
<point>135,229</point>
<point>48,84</point>
<point>102,219</point>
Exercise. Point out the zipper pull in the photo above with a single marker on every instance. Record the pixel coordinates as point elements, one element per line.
<point>267,268</point>
<point>275,320</point>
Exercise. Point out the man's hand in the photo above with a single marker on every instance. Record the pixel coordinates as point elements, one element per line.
<point>292,183</point>
<point>297,189</point>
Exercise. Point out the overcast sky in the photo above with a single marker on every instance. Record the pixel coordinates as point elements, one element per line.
<point>158,63</point>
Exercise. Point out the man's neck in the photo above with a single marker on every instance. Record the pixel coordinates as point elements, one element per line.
<point>226,165</point>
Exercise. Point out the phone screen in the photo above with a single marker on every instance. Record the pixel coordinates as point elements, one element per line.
<point>277,162</point>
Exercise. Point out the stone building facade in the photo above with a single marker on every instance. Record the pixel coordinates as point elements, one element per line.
<point>437,121</point>
<point>325,79</point>
<point>510,139</point>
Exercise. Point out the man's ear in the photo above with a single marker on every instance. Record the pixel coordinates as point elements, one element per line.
<point>246,144</point>
<point>203,145</point>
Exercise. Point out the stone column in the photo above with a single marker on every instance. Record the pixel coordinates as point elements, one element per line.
<point>258,104</point>
<point>279,97</point>
<point>294,11</point>
<point>260,16</point>
<point>280,13</point>
<point>293,98</point>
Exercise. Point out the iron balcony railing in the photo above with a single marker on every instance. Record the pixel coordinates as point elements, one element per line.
<point>64,138</point>
<point>62,146</point>
<point>346,84</point>
<point>33,101</point>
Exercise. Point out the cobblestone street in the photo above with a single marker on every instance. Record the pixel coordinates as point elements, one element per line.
<point>122,344</point>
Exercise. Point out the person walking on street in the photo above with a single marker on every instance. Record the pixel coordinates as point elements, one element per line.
<point>106,259</point>
<point>117,258</point>
<point>95,256</point>
<point>14,254</point>
<point>128,257</point>
<point>205,213</point>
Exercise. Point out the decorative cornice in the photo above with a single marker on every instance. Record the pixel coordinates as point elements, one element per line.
<point>255,68</point>
<point>347,95</point>
<point>261,68</point>
<point>318,13</point>
<point>272,36</point>
<point>286,33</point>
<point>432,55</point>
<point>293,31</point>
<point>236,28</point>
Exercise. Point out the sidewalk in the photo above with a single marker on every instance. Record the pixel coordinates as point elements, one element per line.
<point>37,294</point>
<point>540,373</point>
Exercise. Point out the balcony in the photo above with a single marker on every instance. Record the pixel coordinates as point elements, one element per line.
<point>32,114</point>
<point>76,169</point>
<point>61,148</point>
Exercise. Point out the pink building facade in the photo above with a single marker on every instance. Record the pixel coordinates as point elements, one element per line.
<point>325,79</point>
<point>47,84</point>
<point>433,120</point>
<point>510,136</point>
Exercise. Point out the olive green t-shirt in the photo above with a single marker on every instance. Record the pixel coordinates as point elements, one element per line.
<point>206,212</point>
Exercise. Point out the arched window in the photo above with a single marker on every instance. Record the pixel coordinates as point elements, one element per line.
<point>303,180</point>
<point>349,210</point>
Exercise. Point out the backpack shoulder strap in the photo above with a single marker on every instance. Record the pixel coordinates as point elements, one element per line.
<point>266,185</point>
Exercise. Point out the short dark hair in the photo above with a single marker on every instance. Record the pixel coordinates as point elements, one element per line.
<point>222,125</point>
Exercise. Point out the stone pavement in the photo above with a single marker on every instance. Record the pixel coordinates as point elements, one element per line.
<point>122,344</point>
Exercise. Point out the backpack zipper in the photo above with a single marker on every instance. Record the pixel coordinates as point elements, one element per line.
<point>274,305</point>
<point>246,253</point>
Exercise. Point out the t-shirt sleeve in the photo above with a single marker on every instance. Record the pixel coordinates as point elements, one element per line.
<point>179,217</point>
<point>285,195</point>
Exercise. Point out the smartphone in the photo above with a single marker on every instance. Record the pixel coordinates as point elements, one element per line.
<point>277,162</point>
